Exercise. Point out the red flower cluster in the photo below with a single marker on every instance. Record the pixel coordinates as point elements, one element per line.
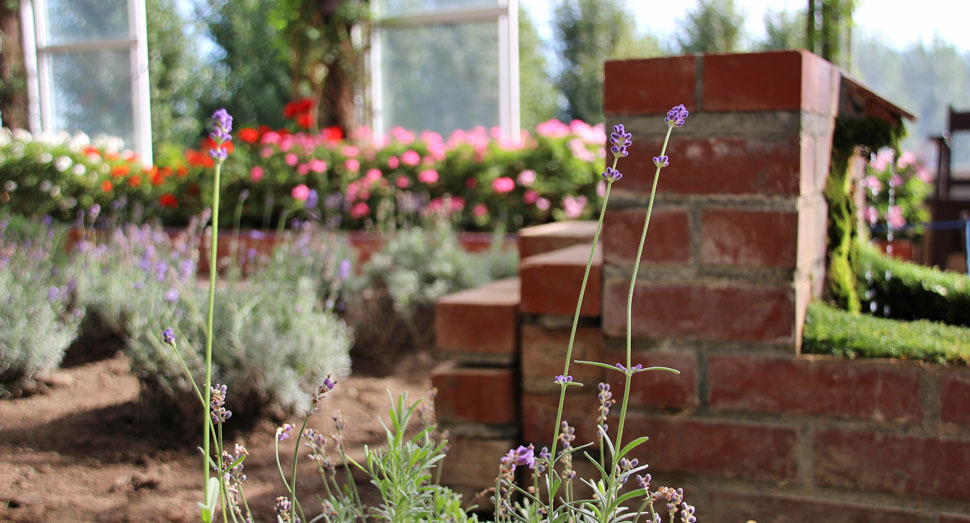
<point>301,111</point>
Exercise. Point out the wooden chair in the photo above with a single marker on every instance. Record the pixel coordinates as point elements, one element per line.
<point>945,182</point>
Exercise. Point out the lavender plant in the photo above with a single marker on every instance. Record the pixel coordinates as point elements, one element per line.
<point>38,318</point>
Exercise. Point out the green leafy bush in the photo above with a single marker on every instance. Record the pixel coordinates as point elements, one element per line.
<point>401,283</point>
<point>907,291</point>
<point>832,331</point>
<point>37,318</point>
<point>896,191</point>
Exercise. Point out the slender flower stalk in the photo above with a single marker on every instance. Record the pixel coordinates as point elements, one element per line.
<point>222,126</point>
<point>675,118</point>
<point>619,141</point>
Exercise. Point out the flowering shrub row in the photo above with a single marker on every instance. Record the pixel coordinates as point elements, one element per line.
<point>475,177</point>
<point>896,191</point>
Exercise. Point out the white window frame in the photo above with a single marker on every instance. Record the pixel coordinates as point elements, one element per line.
<point>38,52</point>
<point>505,13</point>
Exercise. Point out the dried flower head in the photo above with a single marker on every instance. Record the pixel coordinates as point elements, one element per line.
<point>217,404</point>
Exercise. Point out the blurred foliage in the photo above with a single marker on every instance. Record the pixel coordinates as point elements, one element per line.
<point>784,30</point>
<point>714,26</point>
<point>538,96</point>
<point>588,33</point>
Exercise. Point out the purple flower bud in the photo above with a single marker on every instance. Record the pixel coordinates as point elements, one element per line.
<point>619,141</point>
<point>311,199</point>
<point>172,295</point>
<point>221,126</point>
<point>344,272</point>
<point>676,116</point>
<point>563,379</point>
<point>612,175</point>
<point>283,432</point>
<point>168,336</point>
<point>218,153</point>
<point>521,457</point>
<point>661,161</point>
<point>93,212</point>
<point>52,294</point>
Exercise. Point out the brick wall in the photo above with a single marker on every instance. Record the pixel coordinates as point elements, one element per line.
<point>750,427</point>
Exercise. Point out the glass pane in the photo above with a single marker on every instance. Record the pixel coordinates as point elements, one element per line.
<point>79,20</point>
<point>441,77</point>
<point>410,7</point>
<point>91,92</point>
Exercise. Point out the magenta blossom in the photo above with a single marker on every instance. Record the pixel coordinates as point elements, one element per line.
<point>503,184</point>
<point>300,192</point>
<point>428,176</point>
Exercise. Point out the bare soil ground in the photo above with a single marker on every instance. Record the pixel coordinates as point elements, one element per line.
<point>78,451</point>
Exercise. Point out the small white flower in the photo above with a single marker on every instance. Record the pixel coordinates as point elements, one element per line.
<point>10,186</point>
<point>21,135</point>
<point>45,185</point>
<point>45,157</point>
<point>55,191</point>
<point>63,163</point>
<point>79,169</point>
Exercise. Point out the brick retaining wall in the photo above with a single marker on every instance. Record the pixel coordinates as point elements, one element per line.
<point>751,428</point>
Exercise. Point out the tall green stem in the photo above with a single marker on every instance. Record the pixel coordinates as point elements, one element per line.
<point>629,299</point>
<point>572,332</point>
<point>213,275</point>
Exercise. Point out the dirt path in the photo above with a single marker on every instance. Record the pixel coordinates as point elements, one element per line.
<point>79,453</point>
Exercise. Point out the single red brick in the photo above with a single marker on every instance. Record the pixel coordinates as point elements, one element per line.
<point>658,388</point>
<point>734,505</point>
<point>668,236</point>
<point>894,463</point>
<point>753,81</point>
<point>956,397</point>
<point>544,353</point>
<point>819,386</point>
<point>554,236</point>
<point>539,415</point>
<point>715,447</point>
<point>734,165</point>
<point>632,86</point>
<point>551,281</point>
<point>749,238</point>
<point>483,320</point>
<point>475,394</point>
<point>701,311</point>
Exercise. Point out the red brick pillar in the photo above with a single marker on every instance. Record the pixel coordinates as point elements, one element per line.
<point>736,245</point>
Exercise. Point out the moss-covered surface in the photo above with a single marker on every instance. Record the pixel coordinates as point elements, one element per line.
<point>908,291</point>
<point>840,333</point>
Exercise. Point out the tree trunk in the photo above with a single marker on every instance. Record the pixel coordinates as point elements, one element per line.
<point>337,94</point>
<point>13,82</point>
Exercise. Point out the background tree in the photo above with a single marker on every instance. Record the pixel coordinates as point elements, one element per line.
<point>326,41</point>
<point>713,26</point>
<point>178,78</point>
<point>784,30</point>
<point>13,80</point>
<point>252,70</point>
<point>829,29</point>
<point>589,32</point>
<point>538,97</point>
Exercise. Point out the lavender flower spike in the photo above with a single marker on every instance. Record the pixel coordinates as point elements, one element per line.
<point>619,141</point>
<point>221,127</point>
<point>612,175</point>
<point>563,379</point>
<point>168,336</point>
<point>676,116</point>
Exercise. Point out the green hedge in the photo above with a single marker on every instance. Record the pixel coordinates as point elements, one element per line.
<point>907,291</point>
<point>836,332</point>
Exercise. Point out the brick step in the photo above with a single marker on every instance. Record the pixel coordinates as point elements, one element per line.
<point>554,236</point>
<point>480,325</point>
<point>551,281</point>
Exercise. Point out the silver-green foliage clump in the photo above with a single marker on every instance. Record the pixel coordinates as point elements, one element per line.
<point>37,319</point>
<point>275,332</point>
